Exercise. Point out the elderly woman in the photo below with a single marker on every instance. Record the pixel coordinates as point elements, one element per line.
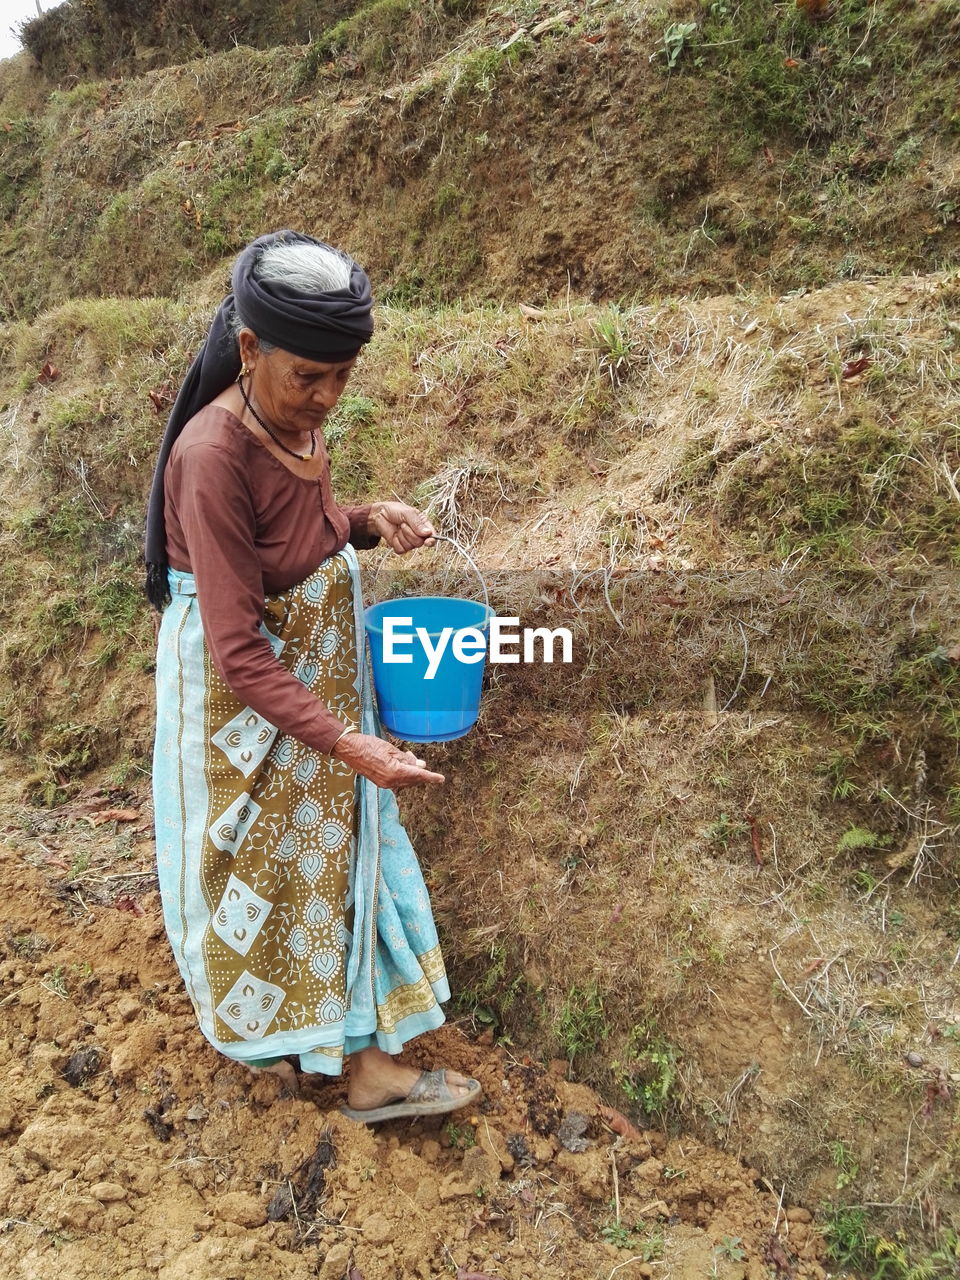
<point>292,898</point>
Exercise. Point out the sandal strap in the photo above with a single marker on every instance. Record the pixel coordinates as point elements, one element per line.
<point>430,1086</point>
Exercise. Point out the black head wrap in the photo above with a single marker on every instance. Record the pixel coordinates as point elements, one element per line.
<point>328,327</point>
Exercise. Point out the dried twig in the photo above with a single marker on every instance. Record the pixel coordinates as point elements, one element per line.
<point>743,670</point>
<point>626,1263</point>
<point>787,988</point>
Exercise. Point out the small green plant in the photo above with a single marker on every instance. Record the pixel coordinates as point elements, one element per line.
<point>850,1244</point>
<point>731,1247</point>
<point>648,1248</point>
<point>127,770</point>
<point>490,997</point>
<point>844,1162</point>
<point>865,881</point>
<point>673,42</point>
<point>477,72</point>
<point>648,1073</point>
<point>460,1136</point>
<point>836,769</point>
<point>614,343</point>
<point>856,839</point>
<point>618,1234</point>
<point>28,945</point>
<point>582,1025</point>
<point>449,199</point>
<point>56,982</point>
<point>278,166</point>
<point>725,830</point>
<point>898,951</point>
<point>80,864</point>
<point>351,412</point>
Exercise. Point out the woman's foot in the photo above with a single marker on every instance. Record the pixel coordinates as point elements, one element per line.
<point>376,1080</point>
<point>287,1073</point>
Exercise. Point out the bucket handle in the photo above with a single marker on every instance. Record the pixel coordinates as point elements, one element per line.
<point>445,537</point>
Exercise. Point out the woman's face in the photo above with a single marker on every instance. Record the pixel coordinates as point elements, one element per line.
<point>293,394</point>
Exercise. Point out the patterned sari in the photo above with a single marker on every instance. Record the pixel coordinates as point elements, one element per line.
<point>292,897</point>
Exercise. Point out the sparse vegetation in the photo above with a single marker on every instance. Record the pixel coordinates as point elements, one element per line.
<point>581,1024</point>
<point>648,1074</point>
<point>876,1257</point>
<point>645,1244</point>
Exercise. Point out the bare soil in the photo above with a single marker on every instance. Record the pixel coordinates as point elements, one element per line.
<point>133,1150</point>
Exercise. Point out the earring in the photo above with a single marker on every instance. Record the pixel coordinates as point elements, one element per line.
<point>244,371</point>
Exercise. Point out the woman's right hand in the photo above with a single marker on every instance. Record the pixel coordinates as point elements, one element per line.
<point>382,762</point>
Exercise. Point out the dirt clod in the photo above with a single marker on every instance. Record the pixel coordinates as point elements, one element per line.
<point>335,1263</point>
<point>80,1066</point>
<point>243,1209</point>
<point>571,1130</point>
<point>108,1192</point>
<point>377,1229</point>
<point>162,1130</point>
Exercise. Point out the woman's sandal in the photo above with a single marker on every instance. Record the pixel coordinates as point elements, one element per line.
<point>431,1095</point>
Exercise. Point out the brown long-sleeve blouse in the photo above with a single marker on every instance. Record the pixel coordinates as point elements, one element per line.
<point>245,526</point>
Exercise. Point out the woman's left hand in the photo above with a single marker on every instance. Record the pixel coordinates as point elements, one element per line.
<point>401,527</point>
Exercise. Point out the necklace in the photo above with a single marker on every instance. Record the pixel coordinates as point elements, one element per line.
<point>301,457</point>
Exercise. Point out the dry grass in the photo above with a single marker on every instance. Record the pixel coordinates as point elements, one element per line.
<point>605,856</point>
<point>138,184</point>
<point>670,895</point>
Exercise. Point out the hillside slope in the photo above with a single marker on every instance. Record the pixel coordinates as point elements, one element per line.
<point>699,402</point>
<point>506,150</point>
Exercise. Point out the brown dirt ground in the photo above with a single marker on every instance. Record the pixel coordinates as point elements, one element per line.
<point>133,1150</point>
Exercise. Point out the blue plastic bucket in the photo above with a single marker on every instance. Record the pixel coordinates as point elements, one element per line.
<point>414,706</point>
<point>433,697</point>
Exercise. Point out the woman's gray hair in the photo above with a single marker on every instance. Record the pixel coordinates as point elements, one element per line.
<point>307,269</point>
